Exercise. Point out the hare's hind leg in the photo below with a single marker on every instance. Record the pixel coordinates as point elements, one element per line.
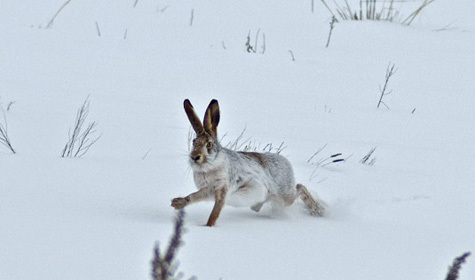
<point>312,205</point>
<point>257,207</point>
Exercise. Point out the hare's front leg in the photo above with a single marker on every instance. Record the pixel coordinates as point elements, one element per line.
<point>181,202</point>
<point>219,197</point>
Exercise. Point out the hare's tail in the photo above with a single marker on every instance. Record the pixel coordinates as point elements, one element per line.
<point>314,207</point>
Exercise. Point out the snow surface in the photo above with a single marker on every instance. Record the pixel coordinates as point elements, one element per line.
<point>99,216</point>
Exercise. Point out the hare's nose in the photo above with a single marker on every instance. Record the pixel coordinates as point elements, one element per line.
<point>195,158</point>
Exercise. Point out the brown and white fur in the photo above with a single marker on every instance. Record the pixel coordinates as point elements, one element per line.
<point>238,178</point>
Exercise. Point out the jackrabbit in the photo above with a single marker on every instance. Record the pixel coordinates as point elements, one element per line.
<point>239,179</point>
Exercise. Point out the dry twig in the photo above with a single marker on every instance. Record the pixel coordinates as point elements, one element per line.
<point>390,71</point>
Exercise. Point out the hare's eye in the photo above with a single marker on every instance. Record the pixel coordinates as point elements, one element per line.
<point>209,145</point>
<point>194,141</point>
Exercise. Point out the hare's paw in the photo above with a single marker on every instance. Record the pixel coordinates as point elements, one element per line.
<point>317,210</point>
<point>179,202</point>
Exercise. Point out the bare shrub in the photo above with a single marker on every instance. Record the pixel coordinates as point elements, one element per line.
<point>81,138</point>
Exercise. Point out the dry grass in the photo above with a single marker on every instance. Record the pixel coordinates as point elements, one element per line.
<point>382,10</point>
<point>249,145</point>
<point>4,138</point>
<point>80,139</point>
<point>51,21</point>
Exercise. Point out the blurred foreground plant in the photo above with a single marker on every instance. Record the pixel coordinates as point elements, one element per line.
<point>453,273</point>
<point>164,266</point>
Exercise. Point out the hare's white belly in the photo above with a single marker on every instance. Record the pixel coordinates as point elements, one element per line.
<point>246,195</point>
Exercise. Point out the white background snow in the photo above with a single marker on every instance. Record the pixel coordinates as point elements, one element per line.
<point>99,216</point>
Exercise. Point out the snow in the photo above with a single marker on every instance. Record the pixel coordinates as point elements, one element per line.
<point>99,216</point>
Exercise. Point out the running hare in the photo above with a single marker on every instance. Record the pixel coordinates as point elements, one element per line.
<point>238,178</point>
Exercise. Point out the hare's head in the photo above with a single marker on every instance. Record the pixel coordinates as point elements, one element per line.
<point>205,145</point>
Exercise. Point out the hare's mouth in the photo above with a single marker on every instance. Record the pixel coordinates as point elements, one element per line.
<point>200,167</point>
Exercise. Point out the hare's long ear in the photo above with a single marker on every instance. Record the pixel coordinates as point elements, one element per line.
<point>194,120</point>
<point>211,119</point>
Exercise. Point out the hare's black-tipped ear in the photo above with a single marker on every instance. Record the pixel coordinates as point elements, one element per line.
<point>211,119</point>
<point>194,120</point>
